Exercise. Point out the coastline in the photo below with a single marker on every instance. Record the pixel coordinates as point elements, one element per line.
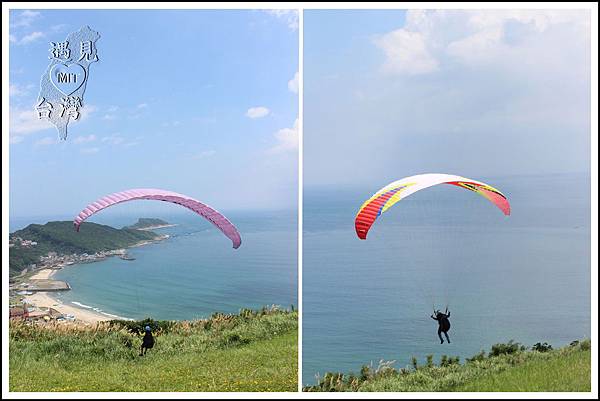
<point>156,239</point>
<point>150,228</point>
<point>43,299</point>
<point>44,274</point>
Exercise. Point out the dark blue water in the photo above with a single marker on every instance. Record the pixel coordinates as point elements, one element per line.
<point>524,277</point>
<point>195,272</point>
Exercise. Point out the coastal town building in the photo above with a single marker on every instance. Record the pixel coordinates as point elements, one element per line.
<point>32,313</point>
<point>22,242</point>
<point>18,312</point>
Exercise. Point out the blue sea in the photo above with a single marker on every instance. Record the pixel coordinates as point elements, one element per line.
<point>524,277</point>
<point>195,272</point>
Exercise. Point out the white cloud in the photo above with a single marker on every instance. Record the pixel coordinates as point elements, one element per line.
<point>32,37</point>
<point>86,111</point>
<point>112,109</point>
<point>25,18</point>
<point>257,112</point>
<point>500,78</point>
<point>26,121</point>
<point>85,139</point>
<point>19,90</point>
<point>21,22</point>
<point>142,106</point>
<point>406,52</point>
<point>432,40</point>
<point>293,83</point>
<point>90,150</point>
<point>287,139</point>
<point>290,17</point>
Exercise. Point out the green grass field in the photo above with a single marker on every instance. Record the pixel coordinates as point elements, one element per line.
<point>256,353</point>
<point>513,369</point>
<point>566,372</point>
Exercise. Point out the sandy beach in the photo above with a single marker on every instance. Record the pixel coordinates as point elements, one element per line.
<point>44,274</point>
<point>43,299</point>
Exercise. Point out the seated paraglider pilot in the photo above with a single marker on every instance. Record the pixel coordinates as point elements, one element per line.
<point>147,341</point>
<point>443,324</point>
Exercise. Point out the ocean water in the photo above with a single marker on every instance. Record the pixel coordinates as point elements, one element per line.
<point>524,277</point>
<point>195,272</point>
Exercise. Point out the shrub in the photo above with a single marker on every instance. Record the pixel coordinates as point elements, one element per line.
<point>429,361</point>
<point>449,360</point>
<point>444,360</point>
<point>585,345</point>
<point>138,326</point>
<point>365,373</point>
<point>509,348</point>
<point>477,357</point>
<point>539,347</point>
<point>414,363</point>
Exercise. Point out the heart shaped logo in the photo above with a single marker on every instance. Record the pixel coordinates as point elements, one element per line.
<point>67,78</point>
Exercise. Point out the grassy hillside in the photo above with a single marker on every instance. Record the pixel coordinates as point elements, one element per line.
<point>144,222</point>
<point>252,351</point>
<point>508,367</point>
<point>558,372</point>
<point>60,237</point>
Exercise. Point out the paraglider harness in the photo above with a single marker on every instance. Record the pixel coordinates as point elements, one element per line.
<point>442,319</point>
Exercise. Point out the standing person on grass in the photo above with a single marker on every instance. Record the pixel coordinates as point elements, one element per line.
<point>147,341</point>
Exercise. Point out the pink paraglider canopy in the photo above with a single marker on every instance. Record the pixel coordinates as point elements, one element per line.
<point>210,214</point>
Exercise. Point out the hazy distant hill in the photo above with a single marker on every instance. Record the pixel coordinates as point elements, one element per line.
<point>145,222</point>
<point>60,237</point>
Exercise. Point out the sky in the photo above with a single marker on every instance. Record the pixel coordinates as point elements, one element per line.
<point>201,102</point>
<point>478,93</point>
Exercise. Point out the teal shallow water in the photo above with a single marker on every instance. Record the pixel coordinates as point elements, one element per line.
<point>525,277</point>
<point>195,272</point>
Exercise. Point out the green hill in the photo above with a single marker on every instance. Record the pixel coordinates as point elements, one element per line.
<point>508,367</point>
<point>145,222</point>
<point>60,237</point>
<point>251,351</point>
